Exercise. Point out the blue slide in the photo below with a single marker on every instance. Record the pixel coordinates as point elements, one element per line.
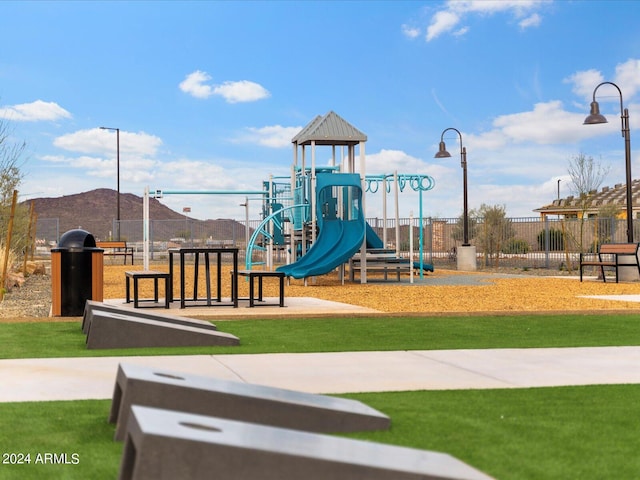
<point>338,239</point>
<point>337,242</point>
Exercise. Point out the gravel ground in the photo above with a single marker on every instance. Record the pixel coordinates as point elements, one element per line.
<point>32,299</point>
<point>503,290</point>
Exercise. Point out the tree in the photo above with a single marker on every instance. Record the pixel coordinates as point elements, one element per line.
<point>10,163</point>
<point>496,230</point>
<point>11,175</point>
<point>586,177</point>
<point>607,215</point>
<point>458,230</point>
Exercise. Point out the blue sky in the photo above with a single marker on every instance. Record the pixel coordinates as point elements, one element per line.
<point>207,95</point>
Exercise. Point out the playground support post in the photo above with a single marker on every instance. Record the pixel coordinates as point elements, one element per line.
<point>411,246</point>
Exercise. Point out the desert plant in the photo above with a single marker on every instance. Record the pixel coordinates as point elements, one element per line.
<point>556,240</point>
<point>516,246</point>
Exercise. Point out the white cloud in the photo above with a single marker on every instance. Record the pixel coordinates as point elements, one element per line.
<point>34,112</point>
<point>548,123</point>
<point>233,92</point>
<point>447,19</point>
<point>584,82</point>
<point>388,161</point>
<point>532,21</point>
<point>194,85</point>
<point>242,91</point>
<point>410,32</point>
<point>101,141</point>
<point>627,78</point>
<point>442,22</point>
<point>274,136</point>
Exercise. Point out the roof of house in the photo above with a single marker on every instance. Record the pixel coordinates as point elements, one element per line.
<point>616,196</point>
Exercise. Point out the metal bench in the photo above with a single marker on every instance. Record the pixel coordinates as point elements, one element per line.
<point>140,274</point>
<point>609,255</point>
<point>260,275</point>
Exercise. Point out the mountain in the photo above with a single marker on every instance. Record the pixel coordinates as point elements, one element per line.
<point>96,210</point>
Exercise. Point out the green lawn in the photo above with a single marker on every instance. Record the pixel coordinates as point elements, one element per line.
<point>65,339</point>
<point>543,433</point>
<point>547,433</point>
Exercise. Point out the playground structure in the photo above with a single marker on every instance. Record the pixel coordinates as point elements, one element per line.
<point>315,218</point>
<point>321,211</point>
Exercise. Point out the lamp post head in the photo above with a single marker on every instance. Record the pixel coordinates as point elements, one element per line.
<point>595,116</point>
<point>442,151</point>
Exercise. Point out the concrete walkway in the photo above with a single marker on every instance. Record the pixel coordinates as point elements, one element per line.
<point>341,372</point>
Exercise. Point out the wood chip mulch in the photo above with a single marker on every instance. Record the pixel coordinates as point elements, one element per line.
<point>525,293</point>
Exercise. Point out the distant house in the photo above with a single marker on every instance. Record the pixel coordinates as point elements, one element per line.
<point>615,198</point>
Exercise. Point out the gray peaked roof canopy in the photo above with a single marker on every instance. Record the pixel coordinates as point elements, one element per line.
<point>330,129</point>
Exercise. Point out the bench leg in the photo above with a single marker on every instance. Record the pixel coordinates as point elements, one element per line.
<point>251,291</point>
<point>208,278</point>
<point>281,291</point>
<point>166,292</point>
<point>128,297</point>
<point>155,289</point>
<point>135,292</point>
<point>196,262</point>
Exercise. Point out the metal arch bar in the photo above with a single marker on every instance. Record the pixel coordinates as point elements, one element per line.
<point>211,192</point>
<point>621,107</point>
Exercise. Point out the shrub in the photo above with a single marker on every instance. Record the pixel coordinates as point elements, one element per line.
<point>556,240</point>
<point>516,246</point>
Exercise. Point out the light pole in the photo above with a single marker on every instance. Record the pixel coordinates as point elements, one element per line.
<point>442,153</point>
<point>594,118</point>
<point>117,130</point>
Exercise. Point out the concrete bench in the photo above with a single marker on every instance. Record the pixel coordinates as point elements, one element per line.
<point>609,255</point>
<point>137,275</point>
<point>260,275</point>
<point>165,444</point>
<point>161,388</point>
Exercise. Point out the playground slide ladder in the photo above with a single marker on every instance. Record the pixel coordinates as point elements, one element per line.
<point>263,229</point>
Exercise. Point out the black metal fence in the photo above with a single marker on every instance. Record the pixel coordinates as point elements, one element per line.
<point>529,242</point>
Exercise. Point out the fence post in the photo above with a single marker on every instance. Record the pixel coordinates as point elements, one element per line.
<point>547,242</point>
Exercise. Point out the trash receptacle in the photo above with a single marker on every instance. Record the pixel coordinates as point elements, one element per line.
<point>76,273</point>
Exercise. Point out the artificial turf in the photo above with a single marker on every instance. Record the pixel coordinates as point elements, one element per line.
<point>65,339</point>
<point>564,432</point>
<point>548,433</point>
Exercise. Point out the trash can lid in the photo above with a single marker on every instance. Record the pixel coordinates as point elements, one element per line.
<point>77,239</point>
